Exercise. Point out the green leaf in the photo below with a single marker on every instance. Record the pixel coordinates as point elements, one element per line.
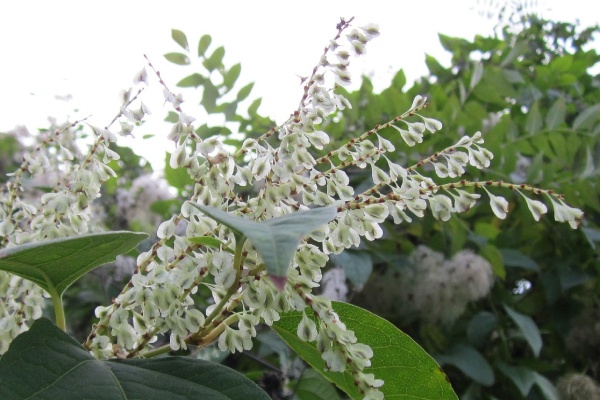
<point>534,120</point>
<point>522,377</point>
<point>518,49</point>
<point>208,241</point>
<point>276,239</point>
<point>45,362</point>
<point>193,80</point>
<point>209,96</point>
<point>215,60</point>
<point>493,255</point>
<point>528,328</point>
<point>203,44</point>
<point>399,80</point>
<point>514,258</point>
<point>546,387</point>
<point>556,115</point>
<point>357,266</point>
<point>232,75</point>
<point>480,327</point>
<point>178,58</point>
<point>55,264</point>
<point>313,386</point>
<point>177,177</point>
<point>180,38</point>
<point>477,74</point>
<point>245,91</point>
<point>407,370</point>
<point>470,362</point>
<point>587,117</point>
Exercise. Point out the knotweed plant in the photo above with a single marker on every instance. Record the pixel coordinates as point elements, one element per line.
<point>289,183</point>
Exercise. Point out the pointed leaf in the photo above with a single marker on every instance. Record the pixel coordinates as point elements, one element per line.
<point>470,362</point>
<point>55,264</point>
<point>177,58</point>
<point>407,370</point>
<point>45,362</point>
<point>276,239</point>
<point>231,76</point>
<point>245,91</point>
<point>193,80</point>
<point>203,44</point>
<point>522,377</point>
<point>587,117</point>
<point>528,328</point>
<point>180,38</point>
<point>477,74</point>
<point>556,115</point>
<point>534,120</point>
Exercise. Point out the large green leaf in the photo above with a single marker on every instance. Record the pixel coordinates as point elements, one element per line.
<point>407,370</point>
<point>55,264</point>
<point>46,363</point>
<point>276,239</point>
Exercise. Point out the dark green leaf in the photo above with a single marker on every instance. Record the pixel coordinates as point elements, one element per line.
<point>180,38</point>
<point>522,377</point>
<point>276,239</point>
<point>407,370</point>
<point>528,329</point>
<point>46,363</point>
<point>470,362</point>
<point>55,264</point>
<point>177,58</point>
<point>514,258</point>
<point>313,386</point>
<point>480,327</point>
<point>203,44</point>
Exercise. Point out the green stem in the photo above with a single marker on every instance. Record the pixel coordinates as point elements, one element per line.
<point>59,311</point>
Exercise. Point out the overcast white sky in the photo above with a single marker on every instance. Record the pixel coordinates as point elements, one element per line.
<point>91,50</point>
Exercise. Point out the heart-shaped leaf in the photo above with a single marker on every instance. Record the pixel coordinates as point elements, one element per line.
<point>407,370</point>
<point>277,239</point>
<point>55,264</point>
<point>45,362</point>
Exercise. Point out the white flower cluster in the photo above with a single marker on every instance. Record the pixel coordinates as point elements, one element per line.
<point>64,211</point>
<point>158,300</point>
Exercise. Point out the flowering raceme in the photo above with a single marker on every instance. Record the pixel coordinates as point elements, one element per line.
<point>288,169</point>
